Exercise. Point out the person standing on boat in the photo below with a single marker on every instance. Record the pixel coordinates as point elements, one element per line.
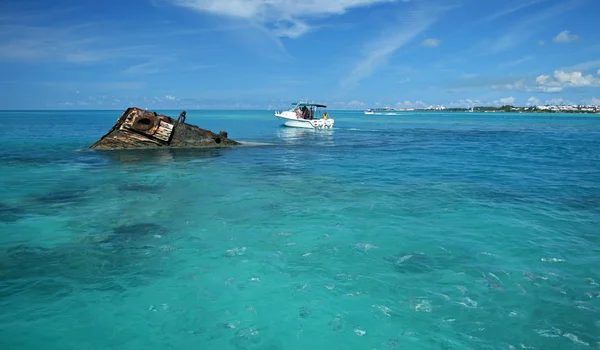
<point>304,112</point>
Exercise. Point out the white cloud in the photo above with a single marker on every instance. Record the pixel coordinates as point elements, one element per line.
<point>170,97</point>
<point>598,72</point>
<point>355,103</point>
<point>576,79</point>
<point>274,9</point>
<point>378,51</point>
<point>542,79</point>
<point>507,100</point>
<point>533,101</point>
<point>547,84</point>
<point>541,42</point>
<point>288,16</point>
<point>431,43</point>
<point>565,37</point>
<point>596,101</point>
<point>562,79</point>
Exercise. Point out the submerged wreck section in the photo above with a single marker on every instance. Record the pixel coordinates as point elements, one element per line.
<point>138,128</point>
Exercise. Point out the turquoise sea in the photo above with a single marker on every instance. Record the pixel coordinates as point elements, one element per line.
<point>416,231</point>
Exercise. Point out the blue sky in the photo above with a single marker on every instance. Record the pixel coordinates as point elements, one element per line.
<point>106,54</point>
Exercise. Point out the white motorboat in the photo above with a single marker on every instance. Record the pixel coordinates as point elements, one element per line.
<point>306,115</point>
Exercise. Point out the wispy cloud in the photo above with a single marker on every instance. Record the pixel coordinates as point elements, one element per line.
<point>293,30</point>
<point>410,104</point>
<point>75,43</point>
<point>582,67</point>
<point>565,37</point>
<point>291,81</point>
<point>516,7</point>
<point>285,18</point>
<point>80,87</point>
<point>356,103</point>
<point>431,43</point>
<point>202,66</point>
<point>377,52</point>
<point>526,28</point>
<point>468,75</point>
<point>146,68</point>
<point>515,62</point>
<point>465,103</point>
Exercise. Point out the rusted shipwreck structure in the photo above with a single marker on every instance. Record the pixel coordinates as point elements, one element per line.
<point>138,128</point>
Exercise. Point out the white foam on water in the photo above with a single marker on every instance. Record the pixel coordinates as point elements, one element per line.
<point>422,305</point>
<point>359,332</point>
<point>384,309</point>
<point>575,339</point>
<point>236,251</point>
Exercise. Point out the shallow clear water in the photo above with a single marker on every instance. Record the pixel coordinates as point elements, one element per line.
<point>418,231</point>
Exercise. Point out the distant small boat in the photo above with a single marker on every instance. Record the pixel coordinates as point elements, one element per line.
<point>387,111</point>
<point>306,115</point>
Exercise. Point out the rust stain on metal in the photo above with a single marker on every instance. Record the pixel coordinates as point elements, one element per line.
<point>138,128</point>
<point>164,130</point>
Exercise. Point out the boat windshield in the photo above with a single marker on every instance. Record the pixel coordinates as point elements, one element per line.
<point>310,110</point>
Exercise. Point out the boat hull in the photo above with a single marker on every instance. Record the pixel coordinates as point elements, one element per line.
<point>293,122</point>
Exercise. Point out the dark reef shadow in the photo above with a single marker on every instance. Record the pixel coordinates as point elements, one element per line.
<point>166,155</point>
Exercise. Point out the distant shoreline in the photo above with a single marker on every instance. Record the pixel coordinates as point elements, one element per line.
<point>573,109</point>
<point>480,109</point>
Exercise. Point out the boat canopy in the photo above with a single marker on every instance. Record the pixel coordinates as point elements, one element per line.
<point>301,104</point>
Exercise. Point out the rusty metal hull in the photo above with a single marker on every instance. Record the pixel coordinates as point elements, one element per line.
<point>138,128</point>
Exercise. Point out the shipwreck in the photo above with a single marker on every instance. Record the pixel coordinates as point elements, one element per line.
<point>138,128</point>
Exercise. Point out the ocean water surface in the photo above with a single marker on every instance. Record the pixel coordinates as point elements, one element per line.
<point>416,231</point>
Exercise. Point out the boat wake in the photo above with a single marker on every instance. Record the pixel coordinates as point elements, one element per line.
<point>254,144</point>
